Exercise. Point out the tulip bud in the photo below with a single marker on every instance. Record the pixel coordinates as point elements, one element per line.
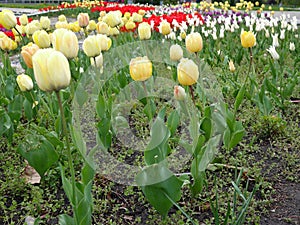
<point>176,52</point>
<point>51,70</point>
<point>91,46</point>
<point>179,93</point>
<point>104,41</point>
<point>92,25</point>
<point>140,68</point>
<point>7,44</point>
<point>193,42</point>
<point>23,20</point>
<point>182,35</point>
<point>66,42</point>
<point>102,28</point>
<point>187,72</point>
<point>25,82</point>
<point>127,15</point>
<point>130,25</point>
<point>62,18</point>
<point>74,27</point>
<point>83,19</point>
<point>112,19</point>
<point>165,27</point>
<point>8,19</point>
<point>247,39</point>
<point>231,66</point>
<point>144,31</point>
<point>41,38</point>
<point>45,22</point>
<point>137,18</point>
<point>27,52</point>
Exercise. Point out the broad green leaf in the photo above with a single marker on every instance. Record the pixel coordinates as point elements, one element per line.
<point>81,95</point>
<point>100,107</point>
<point>239,98</point>
<point>173,122</point>
<point>206,127</point>
<point>65,219</point>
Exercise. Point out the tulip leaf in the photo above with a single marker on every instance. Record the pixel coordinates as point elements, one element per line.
<point>173,122</point>
<point>239,98</point>
<point>65,219</point>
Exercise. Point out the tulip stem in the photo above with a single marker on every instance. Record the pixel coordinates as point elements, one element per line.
<point>70,160</point>
<point>192,94</point>
<point>20,35</point>
<point>251,59</point>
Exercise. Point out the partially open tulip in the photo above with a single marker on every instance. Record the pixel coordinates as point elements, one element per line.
<point>137,18</point>
<point>91,46</point>
<point>7,44</point>
<point>273,52</point>
<point>74,27</point>
<point>83,19</point>
<point>141,12</point>
<point>27,52</point>
<point>45,22</point>
<point>130,25</point>
<point>104,41</point>
<point>127,15</point>
<point>25,82</point>
<point>41,38</point>
<point>102,28</point>
<point>140,68</point>
<point>66,42</point>
<point>231,66</point>
<point>8,19</point>
<point>113,31</point>
<point>62,18</point>
<point>112,19</point>
<point>187,72</point>
<point>51,70</point>
<point>144,31</point>
<point>92,25</point>
<point>247,39</point>
<point>32,27</point>
<point>194,42</point>
<point>165,28</point>
<point>179,93</point>
<point>23,19</point>
<point>176,52</point>
<point>292,46</point>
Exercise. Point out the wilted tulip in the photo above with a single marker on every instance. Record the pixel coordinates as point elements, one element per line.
<point>23,19</point>
<point>112,19</point>
<point>104,41</point>
<point>140,68</point>
<point>7,44</point>
<point>45,22</point>
<point>8,19</point>
<point>25,82</point>
<point>144,31</point>
<point>187,72</point>
<point>66,42</point>
<point>91,46</point>
<point>179,93</point>
<point>27,52</point>
<point>165,27</point>
<point>51,70</point>
<point>231,66</point>
<point>176,52</point>
<point>41,38</point>
<point>102,28</point>
<point>248,39</point>
<point>83,19</point>
<point>193,42</point>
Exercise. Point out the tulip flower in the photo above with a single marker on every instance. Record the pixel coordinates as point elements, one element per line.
<point>231,66</point>
<point>104,41</point>
<point>176,52</point>
<point>102,28</point>
<point>97,61</point>
<point>127,15</point>
<point>112,19</point>
<point>193,42</point>
<point>113,31</point>
<point>41,38</point>
<point>83,19</point>
<point>140,68</point>
<point>23,19</point>
<point>187,72</point>
<point>165,27</point>
<point>32,27</point>
<point>51,70</point>
<point>62,24</point>
<point>91,46</point>
<point>130,25</point>
<point>141,12</point>
<point>62,18</point>
<point>144,31</point>
<point>292,46</point>
<point>248,39</point>
<point>8,19</point>
<point>102,14</point>
<point>179,93</point>
<point>7,44</point>
<point>74,27</point>
<point>275,42</point>
<point>66,42</point>
<point>137,18</point>
<point>24,82</point>
<point>273,52</point>
<point>45,22</point>
<point>92,25</point>
<point>27,52</point>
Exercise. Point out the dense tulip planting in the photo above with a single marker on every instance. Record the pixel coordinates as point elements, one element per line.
<point>174,84</point>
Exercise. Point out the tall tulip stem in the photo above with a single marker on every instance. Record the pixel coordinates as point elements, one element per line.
<point>70,160</point>
<point>251,59</point>
<point>192,93</point>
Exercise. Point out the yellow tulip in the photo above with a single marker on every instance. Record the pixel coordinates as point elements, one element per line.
<point>102,28</point>
<point>165,28</point>
<point>141,12</point>
<point>102,14</point>
<point>144,31</point>
<point>130,25</point>
<point>194,42</point>
<point>24,82</point>
<point>60,24</point>
<point>140,68</point>
<point>91,46</point>
<point>74,27</point>
<point>83,19</point>
<point>176,52</point>
<point>97,61</point>
<point>32,27</point>
<point>23,19</point>
<point>127,15</point>
<point>92,25</point>
<point>8,19</point>
<point>137,18</point>
<point>51,70</point>
<point>66,42</point>
<point>27,52</point>
<point>113,31</point>
<point>45,22</point>
<point>41,38</point>
<point>104,41</point>
<point>112,19</point>
<point>187,72</point>
<point>247,39</point>
<point>62,18</point>
<point>7,44</point>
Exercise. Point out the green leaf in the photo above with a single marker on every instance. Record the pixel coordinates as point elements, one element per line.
<point>81,95</point>
<point>206,127</point>
<point>39,153</point>
<point>100,106</point>
<point>236,138</point>
<point>28,109</point>
<point>5,122</point>
<point>173,122</point>
<point>239,98</point>
<point>65,219</point>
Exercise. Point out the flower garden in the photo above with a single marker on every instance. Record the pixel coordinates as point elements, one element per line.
<point>115,113</point>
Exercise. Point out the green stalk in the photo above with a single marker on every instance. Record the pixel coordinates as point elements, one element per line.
<point>70,160</point>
